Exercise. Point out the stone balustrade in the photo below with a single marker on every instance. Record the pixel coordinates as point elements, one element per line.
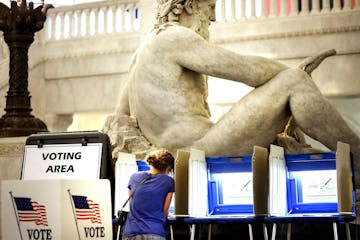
<point>239,10</point>
<point>112,17</point>
<point>92,19</point>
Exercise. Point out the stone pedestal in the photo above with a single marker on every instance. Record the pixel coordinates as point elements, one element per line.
<point>11,156</point>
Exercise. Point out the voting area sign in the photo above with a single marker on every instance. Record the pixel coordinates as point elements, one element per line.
<point>68,155</point>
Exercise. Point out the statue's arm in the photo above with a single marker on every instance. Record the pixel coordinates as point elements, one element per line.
<point>195,53</point>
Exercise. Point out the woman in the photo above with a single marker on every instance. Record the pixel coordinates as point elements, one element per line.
<point>149,205</point>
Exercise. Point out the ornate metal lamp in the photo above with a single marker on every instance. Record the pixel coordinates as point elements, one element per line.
<point>19,24</point>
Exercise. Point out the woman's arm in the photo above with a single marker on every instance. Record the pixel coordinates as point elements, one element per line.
<point>167,203</point>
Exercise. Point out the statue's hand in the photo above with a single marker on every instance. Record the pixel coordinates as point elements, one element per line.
<point>312,62</point>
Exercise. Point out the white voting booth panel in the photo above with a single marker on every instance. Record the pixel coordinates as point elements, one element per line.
<point>191,194</point>
<point>56,209</point>
<point>277,175</point>
<point>343,178</point>
<point>125,166</point>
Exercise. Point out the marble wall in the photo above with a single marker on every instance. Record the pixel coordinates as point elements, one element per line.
<point>11,156</point>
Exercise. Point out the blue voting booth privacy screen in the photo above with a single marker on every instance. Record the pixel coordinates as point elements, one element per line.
<point>311,183</point>
<point>142,165</point>
<point>230,185</point>
<point>310,179</point>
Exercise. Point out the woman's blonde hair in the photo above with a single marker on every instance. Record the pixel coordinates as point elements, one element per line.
<point>160,159</point>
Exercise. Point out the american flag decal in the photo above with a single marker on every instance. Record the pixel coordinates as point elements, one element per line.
<point>86,209</point>
<point>30,211</point>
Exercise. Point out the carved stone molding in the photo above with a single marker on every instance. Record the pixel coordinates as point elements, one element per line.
<point>309,32</point>
<point>12,146</point>
<point>12,149</point>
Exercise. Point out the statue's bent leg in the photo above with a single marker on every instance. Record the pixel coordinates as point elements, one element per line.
<point>258,117</point>
<point>255,120</point>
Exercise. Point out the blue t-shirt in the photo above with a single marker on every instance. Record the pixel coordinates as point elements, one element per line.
<point>146,214</point>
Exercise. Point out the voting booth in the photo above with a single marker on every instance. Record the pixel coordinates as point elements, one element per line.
<point>285,184</point>
<point>265,183</point>
<point>65,191</point>
<point>265,187</point>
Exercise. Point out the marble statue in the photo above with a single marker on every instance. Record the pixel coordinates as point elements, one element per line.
<point>165,94</point>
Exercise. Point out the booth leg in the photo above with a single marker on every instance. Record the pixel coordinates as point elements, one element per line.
<point>250,232</point>
<point>209,232</point>
<point>118,234</point>
<point>347,228</point>
<point>288,233</point>
<point>192,231</point>
<point>335,231</point>
<point>171,232</point>
<point>273,232</point>
<point>265,232</point>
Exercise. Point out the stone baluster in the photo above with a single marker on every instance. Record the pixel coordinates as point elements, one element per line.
<point>96,21</point>
<point>272,8</point>
<point>294,8</point>
<point>326,6</point>
<point>69,15</point>
<point>105,22</point>
<point>357,4</point>
<point>243,9</point>
<point>263,9</point>
<point>129,17</point>
<point>347,5</point>
<point>114,19</point>
<point>116,23</point>
<point>87,22</point>
<point>253,9</point>
<point>316,7</point>
<point>336,6</point>
<point>126,14</point>
<point>78,24</point>
<point>62,24</point>
<point>283,8</point>
<point>223,11</point>
<point>131,8</point>
<point>233,11</point>
<point>122,18</point>
<point>304,7</point>
<point>53,27</point>
<point>48,26</point>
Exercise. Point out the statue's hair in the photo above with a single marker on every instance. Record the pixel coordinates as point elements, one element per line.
<point>160,159</point>
<point>169,10</point>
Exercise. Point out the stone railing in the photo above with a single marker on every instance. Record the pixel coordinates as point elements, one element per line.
<point>112,17</point>
<point>126,16</point>
<point>92,19</point>
<point>239,10</point>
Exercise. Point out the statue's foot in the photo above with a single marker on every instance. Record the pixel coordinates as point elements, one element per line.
<point>310,63</point>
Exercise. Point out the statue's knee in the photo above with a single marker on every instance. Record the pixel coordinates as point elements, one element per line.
<point>296,75</point>
<point>297,72</point>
